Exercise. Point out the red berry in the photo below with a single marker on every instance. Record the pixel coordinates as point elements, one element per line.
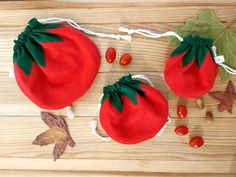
<point>181,130</point>
<point>110,55</point>
<point>182,111</point>
<point>125,59</point>
<point>196,142</point>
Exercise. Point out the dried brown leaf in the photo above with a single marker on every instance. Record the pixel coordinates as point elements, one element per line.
<point>44,139</point>
<point>52,120</point>
<point>230,88</point>
<point>217,95</point>
<point>58,150</point>
<point>226,98</point>
<point>58,134</point>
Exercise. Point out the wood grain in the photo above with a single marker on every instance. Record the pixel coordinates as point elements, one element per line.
<point>168,155</point>
<point>18,136</point>
<point>21,173</point>
<point>16,103</point>
<point>119,15</point>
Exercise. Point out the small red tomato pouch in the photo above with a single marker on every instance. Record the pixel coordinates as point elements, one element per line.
<point>192,67</point>
<point>132,111</point>
<point>191,70</point>
<point>54,63</point>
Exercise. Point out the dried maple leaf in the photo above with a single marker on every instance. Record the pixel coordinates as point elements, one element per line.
<point>226,98</point>
<point>207,25</point>
<point>58,134</point>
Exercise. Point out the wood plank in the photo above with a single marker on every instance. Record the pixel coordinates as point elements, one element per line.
<point>168,155</point>
<point>17,134</point>
<point>16,5</point>
<point>13,102</point>
<point>23,173</point>
<point>119,165</point>
<point>115,15</point>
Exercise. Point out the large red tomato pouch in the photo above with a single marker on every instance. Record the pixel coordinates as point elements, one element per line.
<point>191,71</point>
<point>54,65</point>
<point>132,111</point>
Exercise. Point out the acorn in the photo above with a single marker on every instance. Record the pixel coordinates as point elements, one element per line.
<point>200,103</point>
<point>209,117</point>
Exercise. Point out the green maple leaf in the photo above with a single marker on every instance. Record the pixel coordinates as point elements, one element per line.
<point>207,25</point>
<point>171,95</point>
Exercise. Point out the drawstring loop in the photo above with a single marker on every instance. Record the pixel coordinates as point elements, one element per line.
<point>219,59</point>
<point>70,112</point>
<point>93,124</point>
<point>148,33</point>
<point>87,31</point>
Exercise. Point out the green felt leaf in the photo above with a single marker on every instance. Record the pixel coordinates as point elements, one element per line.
<point>130,93</point>
<point>27,64</point>
<point>135,84</point>
<point>36,51</point>
<point>193,48</point>
<point>116,101</point>
<point>202,51</point>
<point>126,86</point>
<point>27,48</point>
<point>179,50</point>
<point>190,55</point>
<point>207,25</point>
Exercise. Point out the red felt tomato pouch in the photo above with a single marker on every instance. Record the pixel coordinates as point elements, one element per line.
<point>191,71</point>
<point>192,67</point>
<point>132,111</point>
<point>51,62</point>
<point>55,64</point>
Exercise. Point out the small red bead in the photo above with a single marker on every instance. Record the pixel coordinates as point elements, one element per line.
<point>196,142</point>
<point>125,59</point>
<point>181,130</point>
<point>182,111</point>
<point>110,55</point>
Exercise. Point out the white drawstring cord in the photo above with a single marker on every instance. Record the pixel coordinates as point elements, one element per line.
<point>11,73</point>
<point>75,25</point>
<point>220,61</point>
<point>143,77</point>
<point>93,124</point>
<point>69,112</point>
<point>149,34</point>
<point>99,102</point>
<point>128,37</point>
<point>164,127</point>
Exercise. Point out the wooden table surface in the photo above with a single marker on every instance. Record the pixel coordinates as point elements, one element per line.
<point>168,155</point>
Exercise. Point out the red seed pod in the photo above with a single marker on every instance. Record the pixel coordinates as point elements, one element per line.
<point>111,55</point>
<point>181,130</point>
<point>182,111</point>
<point>196,142</point>
<point>125,59</point>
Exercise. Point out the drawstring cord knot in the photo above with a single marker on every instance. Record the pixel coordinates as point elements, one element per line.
<point>219,59</point>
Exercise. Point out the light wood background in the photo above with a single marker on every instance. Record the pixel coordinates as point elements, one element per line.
<point>168,155</point>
